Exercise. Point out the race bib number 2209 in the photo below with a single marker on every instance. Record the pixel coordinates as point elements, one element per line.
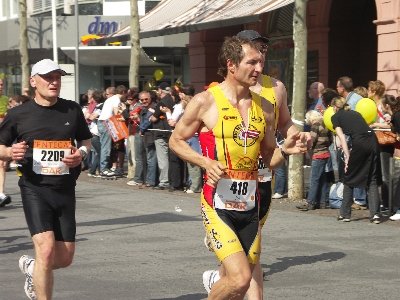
<point>48,155</point>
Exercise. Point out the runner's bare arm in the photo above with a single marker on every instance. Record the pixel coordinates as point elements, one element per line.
<point>196,115</point>
<point>15,152</point>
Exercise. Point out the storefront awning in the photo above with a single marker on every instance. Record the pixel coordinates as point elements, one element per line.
<point>108,56</point>
<point>178,16</point>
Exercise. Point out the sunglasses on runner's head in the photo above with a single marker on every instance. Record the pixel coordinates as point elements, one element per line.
<point>264,48</point>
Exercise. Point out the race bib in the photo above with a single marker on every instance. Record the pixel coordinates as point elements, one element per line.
<point>236,190</point>
<point>48,155</point>
<point>264,173</point>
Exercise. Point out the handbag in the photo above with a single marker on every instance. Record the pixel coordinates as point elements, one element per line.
<point>385,137</point>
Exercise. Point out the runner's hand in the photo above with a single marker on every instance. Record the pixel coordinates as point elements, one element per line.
<point>18,150</point>
<point>214,171</point>
<point>74,159</point>
<point>296,143</point>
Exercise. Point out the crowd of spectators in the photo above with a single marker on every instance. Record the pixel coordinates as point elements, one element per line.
<point>150,117</point>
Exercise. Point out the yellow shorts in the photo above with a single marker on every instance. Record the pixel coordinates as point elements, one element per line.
<point>230,231</point>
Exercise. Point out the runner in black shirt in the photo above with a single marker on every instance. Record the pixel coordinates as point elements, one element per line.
<point>46,130</point>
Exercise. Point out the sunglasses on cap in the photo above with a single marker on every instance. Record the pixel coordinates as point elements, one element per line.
<point>263,48</point>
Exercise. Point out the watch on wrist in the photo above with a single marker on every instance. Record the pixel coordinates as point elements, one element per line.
<point>84,153</point>
<point>284,154</point>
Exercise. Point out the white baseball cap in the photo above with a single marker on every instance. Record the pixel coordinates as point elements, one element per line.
<point>46,66</point>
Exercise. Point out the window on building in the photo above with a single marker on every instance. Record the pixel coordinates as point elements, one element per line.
<point>3,10</point>
<point>14,8</point>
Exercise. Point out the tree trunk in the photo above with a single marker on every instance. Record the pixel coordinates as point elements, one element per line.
<point>135,44</point>
<point>23,46</point>
<point>296,171</point>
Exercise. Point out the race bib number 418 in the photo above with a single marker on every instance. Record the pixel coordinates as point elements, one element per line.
<point>236,190</point>
<point>48,155</point>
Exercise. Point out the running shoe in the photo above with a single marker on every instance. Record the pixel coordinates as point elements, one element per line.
<point>24,263</point>
<point>107,173</point>
<point>277,196</point>
<point>396,216</point>
<point>209,278</point>
<point>5,200</point>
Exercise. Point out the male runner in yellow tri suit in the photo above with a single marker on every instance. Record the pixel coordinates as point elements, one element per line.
<point>240,63</point>
<point>275,92</point>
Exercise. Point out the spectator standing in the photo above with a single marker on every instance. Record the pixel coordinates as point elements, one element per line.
<point>362,91</point>
<point>144,144</point>
<point>391,106</point>
<point>321,138</point>
<point>344,87</point>
<point>376,90</point>
<point>91,104</point>
<point>110,108</point>
<point>315,92</point>
<point>47,189</point>
<point>97,98</point>
<point>195,178</point>
<point>4,199</point>
<point>162,132</point>
<point>361,162</point>
<point>175,163</point>
<point>132,106</point>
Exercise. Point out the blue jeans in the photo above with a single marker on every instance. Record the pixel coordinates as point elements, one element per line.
<point>96,147</point>
<point>105,142</point>
<point>280,180</point>
<point>162,160</point>
<point>151,161</point>
<point>317,191</point>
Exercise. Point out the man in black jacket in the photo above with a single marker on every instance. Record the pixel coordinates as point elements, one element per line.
<point>162,133</point>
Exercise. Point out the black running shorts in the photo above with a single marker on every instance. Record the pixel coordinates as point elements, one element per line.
<point>265,190</point>
<point>49,209</point>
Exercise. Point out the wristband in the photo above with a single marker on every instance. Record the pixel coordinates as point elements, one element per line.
<point>83,150</point>
<point>284,154</point>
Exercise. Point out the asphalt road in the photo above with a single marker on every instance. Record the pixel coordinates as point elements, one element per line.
<point>133,244</point>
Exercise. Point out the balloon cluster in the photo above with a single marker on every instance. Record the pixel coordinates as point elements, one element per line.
<point>365,106</point>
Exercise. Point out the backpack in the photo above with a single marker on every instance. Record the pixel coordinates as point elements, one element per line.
<point>336,195</point>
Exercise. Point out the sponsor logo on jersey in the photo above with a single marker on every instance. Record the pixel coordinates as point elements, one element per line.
<point>245,138</point>
<point>230,118</point>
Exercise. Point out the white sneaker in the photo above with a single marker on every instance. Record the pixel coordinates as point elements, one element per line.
<point>209,278</point>
<point>396,216</point>
<point>189,192</point>
<point>24,263</point>
<point>113,169</point>
<point>132,182</point>
<point>277,196</point>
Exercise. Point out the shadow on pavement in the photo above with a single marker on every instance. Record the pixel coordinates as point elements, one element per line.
<point>164,217</point>
<point>287,262</point>
<point>197,296</point>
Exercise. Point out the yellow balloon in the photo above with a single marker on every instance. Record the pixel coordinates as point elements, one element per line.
<point>328,118</point>
<point>367,108</point>
<point>158,74</point>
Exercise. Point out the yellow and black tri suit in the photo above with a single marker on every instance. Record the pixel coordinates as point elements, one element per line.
<point>266,177</point>
<point>230,211</point>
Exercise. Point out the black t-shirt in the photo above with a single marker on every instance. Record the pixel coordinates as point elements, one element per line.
<point>396,122</point>
<point>63,121</point>
<point>162,122</point>
<point>351,122</point>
